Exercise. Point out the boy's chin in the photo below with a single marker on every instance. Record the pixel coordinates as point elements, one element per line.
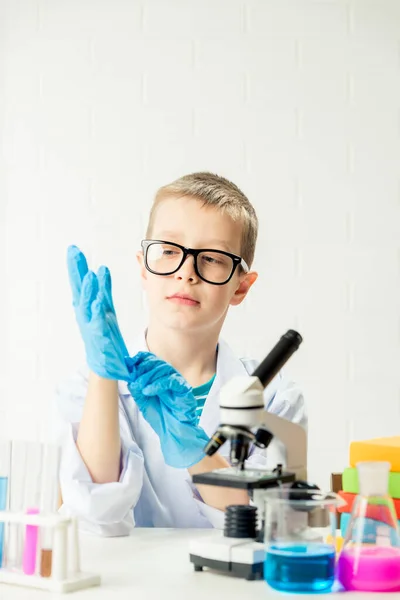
<point>183,323</point>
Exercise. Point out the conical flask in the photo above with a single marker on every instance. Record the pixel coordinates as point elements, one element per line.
<point>370,558</point>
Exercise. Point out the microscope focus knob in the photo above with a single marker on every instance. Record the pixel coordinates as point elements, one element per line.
<point>263,438</point>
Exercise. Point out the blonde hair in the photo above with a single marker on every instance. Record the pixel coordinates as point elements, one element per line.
<point>213,190</point>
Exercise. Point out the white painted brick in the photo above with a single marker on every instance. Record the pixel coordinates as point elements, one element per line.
<point>184,18</point>
<point>373,87</point>
<point>324,462</point>
<point>189,88</point>
<point>140,54</point>
<point>297,18</point>
<point>380,395</point>
<point>256,130</point>
<point>379,189</point>
<point>361,329</point>
<point>367,20</point>
<point>322,434</point>
<point>88,18</point>
<point>356,264</point>
<point>155,124</point>
<point>369,126</point>
<point>377,364</point>
<point>247,53</point>
<point>319,225</point>
<point>368,426</point>
<point>324,55</point>
<point>371,226</point>
<point>324,153</point>
<point>65,67</point>
<point>379,160</point>
<point>298,89</point>
<point>157,53</point>
<point>269,256</point>
<point>376,295</point>
<point>175,158</point>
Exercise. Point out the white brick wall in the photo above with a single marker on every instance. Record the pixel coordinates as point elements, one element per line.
<point>298,101</point>
<point>2,230</point>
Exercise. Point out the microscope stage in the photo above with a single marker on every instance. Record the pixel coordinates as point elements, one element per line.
<point>249,479</point>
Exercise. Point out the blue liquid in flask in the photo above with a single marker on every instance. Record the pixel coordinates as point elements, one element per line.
<point>300,567</point>
<point>3,506</point>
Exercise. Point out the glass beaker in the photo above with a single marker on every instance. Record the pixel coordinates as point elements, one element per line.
<point>300,539</point>
<point>370,558</point>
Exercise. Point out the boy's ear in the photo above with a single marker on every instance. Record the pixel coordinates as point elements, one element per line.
<point>243,288</point>
<point>142,268</point>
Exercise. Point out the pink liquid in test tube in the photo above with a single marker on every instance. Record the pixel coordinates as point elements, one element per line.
<point>30,545</point>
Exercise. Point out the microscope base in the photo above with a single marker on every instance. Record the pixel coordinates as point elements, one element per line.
<point>242,557</point>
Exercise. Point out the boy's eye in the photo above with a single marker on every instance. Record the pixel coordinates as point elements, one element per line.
<point>169,251</point>
<point>212,260</point>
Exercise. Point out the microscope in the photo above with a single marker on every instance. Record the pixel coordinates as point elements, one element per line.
<point>245,421</point>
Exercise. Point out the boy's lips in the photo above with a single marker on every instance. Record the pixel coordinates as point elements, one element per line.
<point>183,299</point>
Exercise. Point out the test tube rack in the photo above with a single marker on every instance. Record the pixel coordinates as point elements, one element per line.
<point>66,575</point>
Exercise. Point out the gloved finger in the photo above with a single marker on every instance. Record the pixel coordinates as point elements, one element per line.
<point>105,288</point>
<point>104,279</point>
<point>89,291</point>
<point>179,386</point>
<point>77,269</point>
<point>172,387</point>
<point>142,362</point>
<point>136,393</point>
<point>160,373</point>
<point>97,308</point>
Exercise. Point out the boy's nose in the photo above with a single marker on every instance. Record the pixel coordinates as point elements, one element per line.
<point>187,271</point>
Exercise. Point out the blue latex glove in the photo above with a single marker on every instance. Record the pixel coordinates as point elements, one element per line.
<point>168,405</point>
<point>95,314</point>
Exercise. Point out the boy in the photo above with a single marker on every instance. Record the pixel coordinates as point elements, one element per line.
<point>136,430</point>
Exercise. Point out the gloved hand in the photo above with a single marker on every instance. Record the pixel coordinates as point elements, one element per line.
<point>168,405</point>
<point>95,314</point>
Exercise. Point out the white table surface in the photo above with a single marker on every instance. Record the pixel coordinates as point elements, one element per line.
<point>154,563</point>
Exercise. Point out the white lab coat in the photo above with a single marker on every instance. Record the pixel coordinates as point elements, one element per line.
<point>150,493</point>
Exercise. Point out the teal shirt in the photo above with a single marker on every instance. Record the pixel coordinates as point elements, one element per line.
<point>200,393</point>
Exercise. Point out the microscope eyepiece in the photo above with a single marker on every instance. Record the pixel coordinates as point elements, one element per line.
<point>279,355</point>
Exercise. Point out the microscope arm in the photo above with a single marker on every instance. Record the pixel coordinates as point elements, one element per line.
<point>294,438</point>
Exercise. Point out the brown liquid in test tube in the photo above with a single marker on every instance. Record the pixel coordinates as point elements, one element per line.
<point>49,504</point>
<point>46,557</point>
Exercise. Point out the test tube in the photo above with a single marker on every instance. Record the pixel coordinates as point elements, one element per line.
<point>33,479</point>
<point>4,484</point>
<point>16,503</point>
<point>30,545</point>
<point>48,503</point>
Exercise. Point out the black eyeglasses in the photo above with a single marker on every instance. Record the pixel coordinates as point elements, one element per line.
<point>213,266</point>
